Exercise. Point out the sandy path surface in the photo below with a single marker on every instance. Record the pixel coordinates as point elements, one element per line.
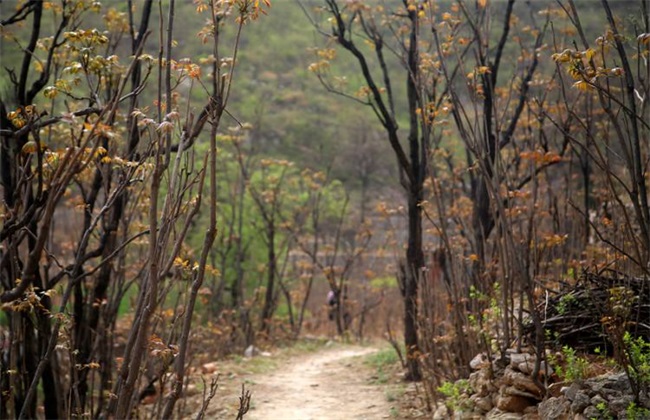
<point>329,384</point>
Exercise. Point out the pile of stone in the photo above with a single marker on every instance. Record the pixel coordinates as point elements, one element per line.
<point>506,391</point>
<point>602,397</point>
<point>500,390</point>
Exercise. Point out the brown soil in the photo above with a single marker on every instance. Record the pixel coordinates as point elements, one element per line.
<point>332,383</point>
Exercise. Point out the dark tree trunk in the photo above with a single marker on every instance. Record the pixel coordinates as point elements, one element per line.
<point>51,387</point>
<point>418,151</point>
<point>483,222</point>
<point>267,310</point>
<point>414,264</point>
<point>89,314</point>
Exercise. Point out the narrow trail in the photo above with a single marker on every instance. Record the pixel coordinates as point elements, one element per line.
<point>327,385</point>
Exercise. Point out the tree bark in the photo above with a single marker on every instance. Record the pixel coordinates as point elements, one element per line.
<point>267,310</point>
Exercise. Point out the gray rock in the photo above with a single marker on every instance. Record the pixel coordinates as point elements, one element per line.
<point>619,382</point>
<point>616,382</point>
<point>620,404</point>
<point>592,412</point>
<point>251,351</point>
<point>597,399</point>
<point>517,358</point>
<point>570,391</point>
<point>555,408</point>
<point>479,361</point>
<point>610,394</point>
<point>580,402</point>
<point>528,367</point>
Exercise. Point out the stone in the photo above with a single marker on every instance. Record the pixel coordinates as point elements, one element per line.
<point>619,382</point>
<point>481,404</point>
<point>580,401</point>
<point>209,368</point>
<point>610,394</point>
<point>620,404</point>
<point>480,382</point>
<point>529,366</point>
<point>554,408</point>
<point>513,403</point>
<point>441,413</point>
<point>612,382</point>
<point>596,400</point>
<point>570,391</point>
<point>511,390</point>
<point>555,389</point>
<point>644,400</point>
<point>525,363</point>
<point>496,414</point>
<point>521,381</point>
<point>251,351</point>
<point>478,362</point>
<point>531,410</point>
<point>518,358</point>
<point>592,412</point>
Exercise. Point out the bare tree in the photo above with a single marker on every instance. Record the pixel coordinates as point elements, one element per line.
<point>81,189</point>
<point>353,23</point>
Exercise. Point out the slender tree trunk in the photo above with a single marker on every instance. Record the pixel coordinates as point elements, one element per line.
<point>418,150</point>
<point>267,310</point>
<point>414,264</point>
<point>51,387</point>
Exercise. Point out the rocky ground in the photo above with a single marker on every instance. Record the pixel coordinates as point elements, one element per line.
<point>506,391</point>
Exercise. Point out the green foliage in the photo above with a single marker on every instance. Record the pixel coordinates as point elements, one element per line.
<point>454,393</point>
<point>604,411</point>
<point>382,361</point>
<point>490,316</point>
<point>574,367</point>
<point>638,351</point>
<point>634,412</point>
<point>306,346</point>
<point>389,282</point>
<point>383,358</point>
<point>566,301</point>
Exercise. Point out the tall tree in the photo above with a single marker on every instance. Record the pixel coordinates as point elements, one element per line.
<point>353,23</point>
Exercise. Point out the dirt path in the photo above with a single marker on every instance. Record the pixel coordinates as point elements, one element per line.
<point>330,384</point>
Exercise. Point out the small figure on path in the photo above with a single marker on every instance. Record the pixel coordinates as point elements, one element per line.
<point>331,301</point>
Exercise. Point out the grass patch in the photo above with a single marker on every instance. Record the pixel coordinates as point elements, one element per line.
<point>394,394</point>
<point>383,362</point>
<point>257,364</point>
<point>384,282</point>
<point>305,346</point>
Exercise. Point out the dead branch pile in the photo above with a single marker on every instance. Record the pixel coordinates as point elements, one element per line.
<point>587,315</point>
